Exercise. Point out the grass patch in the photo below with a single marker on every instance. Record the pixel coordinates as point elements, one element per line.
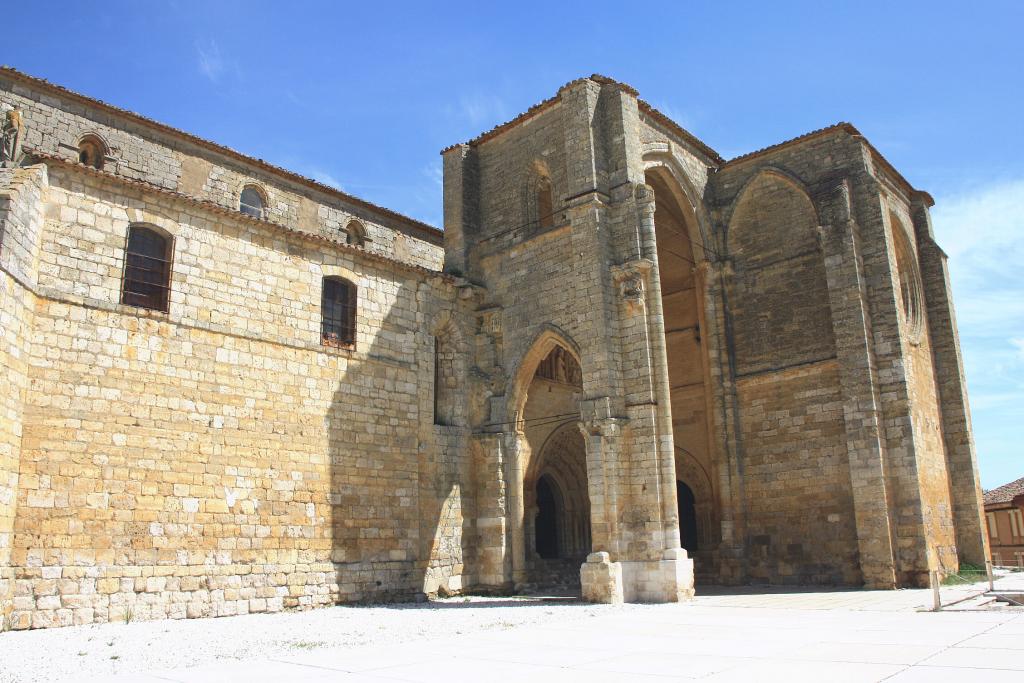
<point>968,574</point>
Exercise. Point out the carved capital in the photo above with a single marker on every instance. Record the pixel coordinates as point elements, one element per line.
<point>631,278</point>
<point>644,196</point>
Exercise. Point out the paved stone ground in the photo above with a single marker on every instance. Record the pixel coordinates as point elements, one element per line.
<point>747,635</point>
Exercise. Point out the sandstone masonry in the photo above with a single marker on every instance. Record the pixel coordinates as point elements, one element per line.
<point>623,362</point>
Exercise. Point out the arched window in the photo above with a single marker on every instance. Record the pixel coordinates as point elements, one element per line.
<point>251,202</point>
<point>355,233</point>
<point>147,269</point>
<point>338,308</point>
<point>445,380</point>
<point>91,151</point>
<point>545,203</point>
<point>909,276</point>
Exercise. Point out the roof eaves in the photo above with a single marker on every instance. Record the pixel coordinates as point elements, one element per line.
<point>851,130</point>
<point>425,228</point>
<point>237,215</point>
<point>543,105</point>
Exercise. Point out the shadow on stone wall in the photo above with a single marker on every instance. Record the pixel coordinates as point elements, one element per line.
<point>398,524</point>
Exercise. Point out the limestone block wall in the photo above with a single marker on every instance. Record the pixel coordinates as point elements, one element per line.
<point>796,496</point>
<point>922,393</point>
<point>20,226</point>
<point>57,119</point>
<point>216,459</point>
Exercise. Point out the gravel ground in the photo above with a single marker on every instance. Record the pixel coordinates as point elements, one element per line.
<point>79,652</point>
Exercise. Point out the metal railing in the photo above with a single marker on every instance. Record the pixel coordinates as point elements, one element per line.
<point>983,582</point>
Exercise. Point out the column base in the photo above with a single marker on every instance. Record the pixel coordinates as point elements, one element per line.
<point>669,579</point>
<point>601,579</point>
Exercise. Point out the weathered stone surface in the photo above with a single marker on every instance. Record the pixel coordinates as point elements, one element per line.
<point>618,320</point>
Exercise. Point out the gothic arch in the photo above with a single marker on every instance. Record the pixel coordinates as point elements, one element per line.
<point>686,195</point>
<point>561,459</point>
<point>763,178</point>
<point>544,342</point>
<point>779,312</point>
<point>691,472</point>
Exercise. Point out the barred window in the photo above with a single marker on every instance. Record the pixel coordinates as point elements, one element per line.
<point>338,307</point>
<point>147,269</point>
<point>251,202</point>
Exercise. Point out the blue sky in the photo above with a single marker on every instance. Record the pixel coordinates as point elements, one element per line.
<point>363,96</point>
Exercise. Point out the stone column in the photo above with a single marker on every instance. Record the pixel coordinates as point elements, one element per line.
<point>861,407</point>
<point>644,195</point>
<point>732,566</point>
<point>961,459</point>
<point>600,577</point>
<point>518,449</point>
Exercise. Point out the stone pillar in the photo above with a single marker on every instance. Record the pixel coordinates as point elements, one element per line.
<point>723,434</point>
<point>461,197</point>
<point>864,445</point>
<point>644,195</point>
<point>494,567</point>
<point>958,437</point>
<point>518,449</point>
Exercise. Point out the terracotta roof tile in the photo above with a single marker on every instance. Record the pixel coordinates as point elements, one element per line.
<point>433,232</point>
<point>238,215</point>
<point>645,108</point>
<point>1005,493</point>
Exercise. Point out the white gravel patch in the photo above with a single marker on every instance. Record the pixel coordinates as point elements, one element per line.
<point>80,652</point>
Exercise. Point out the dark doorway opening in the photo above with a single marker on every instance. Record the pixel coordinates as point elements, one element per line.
<point>687,517</point>
<point>547,519</point>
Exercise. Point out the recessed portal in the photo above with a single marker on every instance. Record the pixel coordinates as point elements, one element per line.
<point>687,516</point>
<point>556,501</point>
<point>546,531</point>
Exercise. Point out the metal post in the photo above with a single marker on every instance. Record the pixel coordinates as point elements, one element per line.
<point>988,570</point>
<point>933,578</point>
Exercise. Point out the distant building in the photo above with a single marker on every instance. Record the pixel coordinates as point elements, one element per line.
<point>1004,511</point>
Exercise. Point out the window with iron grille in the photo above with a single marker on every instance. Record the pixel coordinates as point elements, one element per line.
<point>147,269</point>
<point>338,307</point>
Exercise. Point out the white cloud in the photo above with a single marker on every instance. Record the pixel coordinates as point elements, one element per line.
<point>211,64</point>
<point>326,178</point>
<point>482,109</point>
<point>982,231</point>
<point>1019,343</point>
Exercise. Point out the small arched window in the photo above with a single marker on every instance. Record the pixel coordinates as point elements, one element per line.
<point>91,151</point>
<point>355,233</point>
<point>445,380</point>
<point>338,308</point>
<point>147,269</point>
<point>251,202</point>
<point>545,203</point>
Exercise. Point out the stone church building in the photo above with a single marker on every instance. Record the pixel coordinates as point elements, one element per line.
<point>624,362</point>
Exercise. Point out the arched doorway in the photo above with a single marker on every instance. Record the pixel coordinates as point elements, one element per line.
<point>687,502</point>
<point>548,519</point>
<point>556,502</point>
